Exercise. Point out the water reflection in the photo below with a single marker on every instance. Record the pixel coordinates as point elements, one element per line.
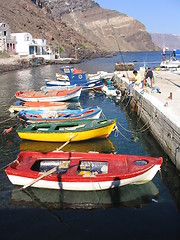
<point>131,196</point>
<point>171,178</point>
<point>96,145</point>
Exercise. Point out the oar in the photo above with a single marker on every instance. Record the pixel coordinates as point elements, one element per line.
<point>66,143</point>
<point>51,170</point>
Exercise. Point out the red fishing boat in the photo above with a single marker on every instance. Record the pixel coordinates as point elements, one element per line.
<point>81,171</point>
<point>46,106</point>
<point>50,95</point>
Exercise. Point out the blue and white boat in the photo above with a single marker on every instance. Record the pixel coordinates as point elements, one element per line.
<point>31,116</point>
<point>79,78</point>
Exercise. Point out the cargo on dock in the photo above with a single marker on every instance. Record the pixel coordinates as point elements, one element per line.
<point>124,66</point>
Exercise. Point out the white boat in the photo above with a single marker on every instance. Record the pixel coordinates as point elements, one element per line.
<point>62,77</point>
<point>92,77</point>
<point>106,75</point>
<point>109,90</point>
<point>172,62</point>
<point>47,88</point>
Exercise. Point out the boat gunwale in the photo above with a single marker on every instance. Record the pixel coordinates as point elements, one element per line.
<point>51,126</point>
<point>74,163</point>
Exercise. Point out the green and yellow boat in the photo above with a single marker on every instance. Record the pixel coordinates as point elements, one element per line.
<point>64,131</point>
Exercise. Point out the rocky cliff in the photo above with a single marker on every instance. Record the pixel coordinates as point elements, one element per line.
<point>170,41</point>
<point>25,16</point>
<point>111,30</point>
<point>80,24</point>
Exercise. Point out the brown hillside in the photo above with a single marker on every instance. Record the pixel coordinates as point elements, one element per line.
<point>25,16</point>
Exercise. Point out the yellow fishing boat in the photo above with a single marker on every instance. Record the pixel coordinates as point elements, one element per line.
<point>63,131</point>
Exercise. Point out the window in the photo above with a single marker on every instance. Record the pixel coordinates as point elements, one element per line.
<point>4,33</point>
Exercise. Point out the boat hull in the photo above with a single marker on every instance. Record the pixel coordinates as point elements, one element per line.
<point>120,170</point>
<point>57,83</point>
<point>56,116</point>
<point>101,132</point>
<point>72,95</point>
<point>86,186</point>
<point>44,106</point>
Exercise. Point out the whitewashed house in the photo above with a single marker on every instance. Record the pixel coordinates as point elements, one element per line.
<point>27,45</point>
<point>7,41</point>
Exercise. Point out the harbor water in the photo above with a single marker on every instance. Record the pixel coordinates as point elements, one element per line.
<point>148,211</point>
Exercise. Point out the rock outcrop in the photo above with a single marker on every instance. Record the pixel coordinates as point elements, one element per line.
<point>170,41</point>
<point>76,24</point>
<point>25,16</point>
<point>111,30</point>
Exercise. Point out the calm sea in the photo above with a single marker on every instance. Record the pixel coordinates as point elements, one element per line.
<point>149,211</point>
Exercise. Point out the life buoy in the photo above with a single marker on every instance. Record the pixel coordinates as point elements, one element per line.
<point>80,76</point>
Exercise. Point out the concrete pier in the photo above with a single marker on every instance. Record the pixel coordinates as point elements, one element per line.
<point>161,111</point>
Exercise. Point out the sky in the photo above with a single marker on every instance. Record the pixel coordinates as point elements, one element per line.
<point>158,16</point>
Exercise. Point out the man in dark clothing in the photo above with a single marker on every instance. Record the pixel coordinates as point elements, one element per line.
<point>148,74</point>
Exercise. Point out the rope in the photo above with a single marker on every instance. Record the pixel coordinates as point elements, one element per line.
<point>117,132</point>
<point>114,33</point>
<point>137,131</point>
<point>9,118</point>
<point>140,110</point>
<point>127,103</point>
<point>103,114</point>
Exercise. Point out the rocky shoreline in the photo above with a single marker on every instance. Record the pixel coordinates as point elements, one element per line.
<point>17,63</point>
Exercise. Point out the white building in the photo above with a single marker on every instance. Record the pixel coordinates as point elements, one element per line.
<point>26,46</point>
<point>7,41</point>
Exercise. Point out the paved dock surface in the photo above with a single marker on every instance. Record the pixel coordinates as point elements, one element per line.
<point>168,82</point>
<point>160,109</point>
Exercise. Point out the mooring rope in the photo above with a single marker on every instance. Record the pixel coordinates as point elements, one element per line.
<point>127,103</point>
<point>114,33</point>
<point>137,131</point>
<point>6,120</point>
<point>103,115</point>
<point>117,132</point>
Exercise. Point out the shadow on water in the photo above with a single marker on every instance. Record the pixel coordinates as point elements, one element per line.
<point>169,174</point>
<point>131,196</point>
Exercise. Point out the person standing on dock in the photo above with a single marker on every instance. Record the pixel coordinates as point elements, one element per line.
<point>148,74</point>
<point>136,79</point>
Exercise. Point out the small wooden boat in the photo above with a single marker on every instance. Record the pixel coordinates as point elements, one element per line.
<point>46,106</point>
<point>62,77</point>
<point>31,116</point>
<point>51,95</point>
<point>86,85</point>
<point>60,87</point>
<point>81,171</point>
<point>131,196</point>
<point>109,90</point>
<point>63,131</point>
<point>124,66</point>
<point>54,83</point>
<point>79,77</point>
